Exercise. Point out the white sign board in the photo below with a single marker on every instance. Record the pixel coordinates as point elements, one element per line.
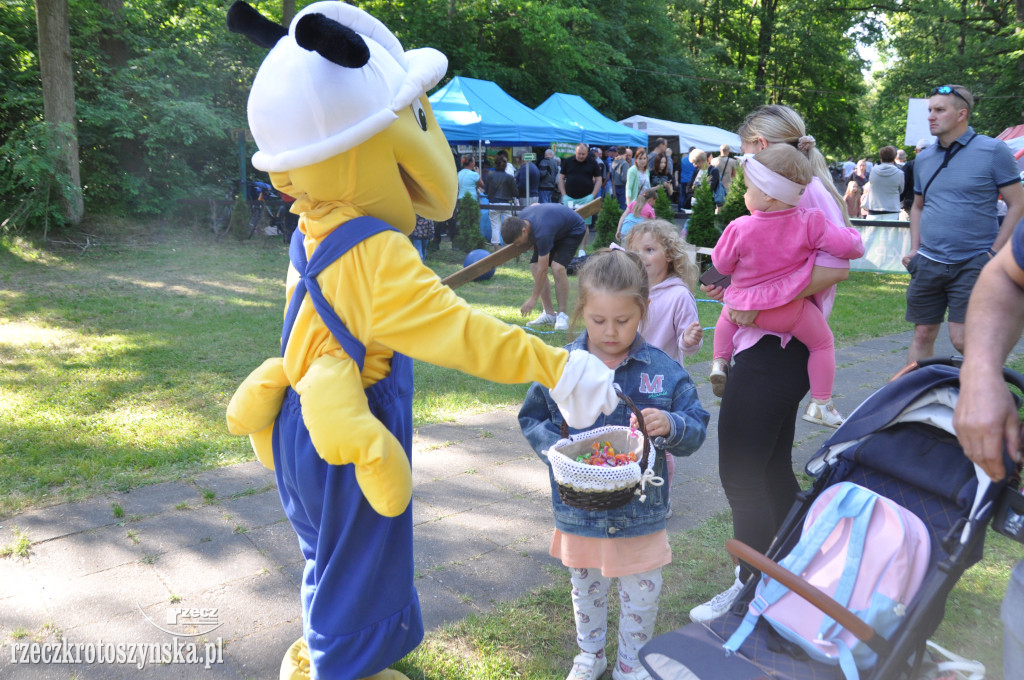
<point>917,123</point>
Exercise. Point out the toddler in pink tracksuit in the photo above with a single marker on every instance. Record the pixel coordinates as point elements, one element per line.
<point>770,255</point>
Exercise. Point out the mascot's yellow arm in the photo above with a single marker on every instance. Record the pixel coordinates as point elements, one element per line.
<point>392,303</point>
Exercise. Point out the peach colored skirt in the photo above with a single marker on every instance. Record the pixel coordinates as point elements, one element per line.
<point>613,556</point>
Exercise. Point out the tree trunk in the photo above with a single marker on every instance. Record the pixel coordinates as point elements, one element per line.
<point>59,94</point>
<point>764,43</point>
<point>287,12</point>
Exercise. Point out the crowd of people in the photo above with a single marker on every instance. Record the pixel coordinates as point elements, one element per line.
<point>772,343</point>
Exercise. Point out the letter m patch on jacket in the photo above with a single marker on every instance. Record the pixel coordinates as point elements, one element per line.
<point>648,386</point>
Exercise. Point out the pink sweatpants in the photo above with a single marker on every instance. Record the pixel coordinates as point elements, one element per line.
<point>806,323</point>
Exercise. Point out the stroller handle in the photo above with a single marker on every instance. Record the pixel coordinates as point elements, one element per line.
<point>840,614</point>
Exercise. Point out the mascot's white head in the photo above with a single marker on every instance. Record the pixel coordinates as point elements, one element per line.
<point>337,92</point>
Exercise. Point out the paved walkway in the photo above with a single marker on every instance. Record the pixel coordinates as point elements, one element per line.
<point>220,542</point>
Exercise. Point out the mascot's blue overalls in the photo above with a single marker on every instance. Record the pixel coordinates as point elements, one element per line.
<point>358,600</point>
<point>340,115</point>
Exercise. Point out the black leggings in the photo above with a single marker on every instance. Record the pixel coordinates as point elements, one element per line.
<point>756,425</point>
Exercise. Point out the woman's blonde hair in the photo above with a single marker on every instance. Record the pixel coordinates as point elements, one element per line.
<point>778,124</point>
<point>698,157</point>
<point>641,153</point>
<point>677,250</point>
<point>612,271</point>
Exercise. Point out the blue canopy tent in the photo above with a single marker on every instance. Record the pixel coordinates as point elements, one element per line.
<point>472,111</point>
<point>572,110</point>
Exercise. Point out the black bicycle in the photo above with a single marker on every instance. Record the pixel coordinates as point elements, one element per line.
<point>266,210</point>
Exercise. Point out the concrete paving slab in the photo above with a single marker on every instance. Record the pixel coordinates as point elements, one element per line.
<point>440,435</point>
<point>258,656</point>
<point>87,552</point>
<point>458,494</point>
<point>254,510</point>
<point>247,605</point>
<point>497,576</point>
<point>17,577</point>
<point>507,522</point>
<point>22,613</point>
<point>277,543</point>
<point>525,475</point>
<point>441,605</point>
<point>103,595</point>
<point>442,463</point>
<point>44,524</point>
<point>442,543</point>
<point>153,499</point>
<point>236,479</point>
<point>192,570</point>
<point>180,529</point>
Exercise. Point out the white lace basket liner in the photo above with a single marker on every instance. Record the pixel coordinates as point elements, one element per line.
<point>592,487</point>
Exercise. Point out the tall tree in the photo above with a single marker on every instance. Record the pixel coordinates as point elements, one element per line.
<point>988,59</point>
<point>59,95</point>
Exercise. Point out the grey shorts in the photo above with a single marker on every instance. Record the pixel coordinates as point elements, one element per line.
<point>935,287</point>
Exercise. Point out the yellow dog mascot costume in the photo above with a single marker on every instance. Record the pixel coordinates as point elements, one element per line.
<point>340,115</point>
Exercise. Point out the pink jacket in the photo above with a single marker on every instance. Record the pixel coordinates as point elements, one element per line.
<point>770,255</point>
<point>815,196</point>
<point>671,311</point>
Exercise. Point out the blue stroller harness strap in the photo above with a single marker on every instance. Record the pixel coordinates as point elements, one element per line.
<point>333,246</point>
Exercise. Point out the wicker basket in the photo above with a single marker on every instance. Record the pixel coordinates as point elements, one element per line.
<point>595,488</point>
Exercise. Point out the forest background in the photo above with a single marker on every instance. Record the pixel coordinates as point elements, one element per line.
<point>125,107</point>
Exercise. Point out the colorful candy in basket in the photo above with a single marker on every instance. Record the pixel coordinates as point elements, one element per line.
<point>605,455</point>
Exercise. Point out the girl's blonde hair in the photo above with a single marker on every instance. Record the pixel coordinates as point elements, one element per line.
<point>677,250</point>
<point>784,160</point>
<point>778,124</point>
<point>852,188</point>
<point>612,271</point>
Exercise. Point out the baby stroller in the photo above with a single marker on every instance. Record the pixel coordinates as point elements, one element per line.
<point>900,444</point>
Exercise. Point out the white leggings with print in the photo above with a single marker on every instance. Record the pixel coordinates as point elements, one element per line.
<point>638,610</point>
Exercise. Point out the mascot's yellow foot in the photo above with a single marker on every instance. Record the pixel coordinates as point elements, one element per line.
<point>295,665</point>
<point>388,674</point>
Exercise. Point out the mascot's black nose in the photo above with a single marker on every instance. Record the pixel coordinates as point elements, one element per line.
<point>244,19</point>
<point>332,41</point>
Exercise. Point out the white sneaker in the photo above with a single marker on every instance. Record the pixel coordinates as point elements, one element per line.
<point>562,322</point>
<point>823,414</point>
<point>639,673</point>
<point>719,604</point>
<point>587,666</point>
<point>544,319</point>
<point>719,376</point>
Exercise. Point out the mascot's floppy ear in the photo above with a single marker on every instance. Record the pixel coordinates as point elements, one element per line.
<point>334,42</point>
<point>242,18</point>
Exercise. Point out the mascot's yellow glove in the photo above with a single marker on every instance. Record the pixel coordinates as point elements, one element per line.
<point>344,431</point>
<point>255,405</point>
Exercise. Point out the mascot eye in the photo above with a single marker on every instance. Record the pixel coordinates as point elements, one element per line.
<point>419,114</point>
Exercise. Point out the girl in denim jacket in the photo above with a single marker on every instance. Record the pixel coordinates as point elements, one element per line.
<point>629,543</point>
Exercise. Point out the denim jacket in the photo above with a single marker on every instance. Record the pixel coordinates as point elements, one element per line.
<point>651,379</point>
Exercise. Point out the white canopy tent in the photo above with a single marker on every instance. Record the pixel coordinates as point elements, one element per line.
<point>703,137</point>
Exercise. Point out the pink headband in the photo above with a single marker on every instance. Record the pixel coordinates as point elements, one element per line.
<point>771,182</point>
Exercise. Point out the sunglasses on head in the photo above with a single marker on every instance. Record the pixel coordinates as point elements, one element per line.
<point>946,89</point>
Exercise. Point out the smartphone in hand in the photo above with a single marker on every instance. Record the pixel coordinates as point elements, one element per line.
<point>713,277</point>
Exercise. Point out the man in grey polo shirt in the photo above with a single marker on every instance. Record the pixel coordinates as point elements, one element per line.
<point>953,227</point>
